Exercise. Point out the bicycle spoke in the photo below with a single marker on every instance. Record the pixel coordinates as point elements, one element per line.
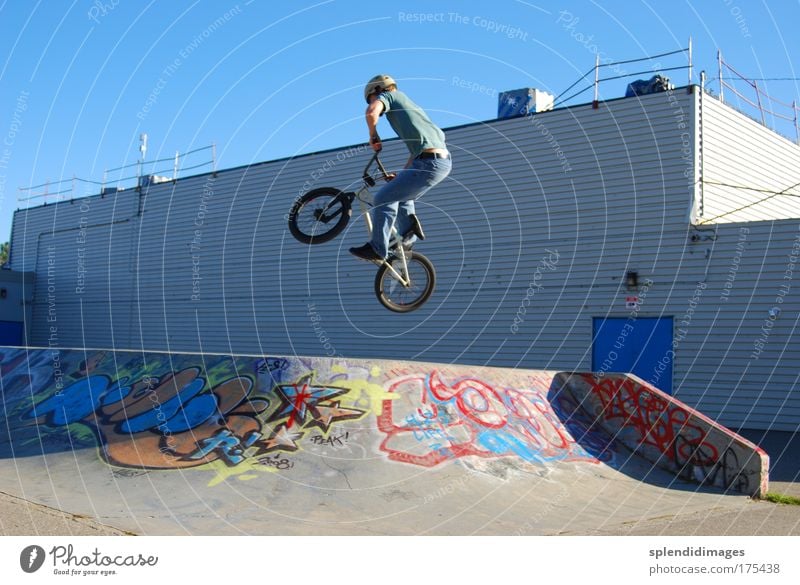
<point>405,286</point>
<point>319,216</point>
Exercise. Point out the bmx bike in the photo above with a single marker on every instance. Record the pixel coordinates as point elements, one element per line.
<point>405,280</point>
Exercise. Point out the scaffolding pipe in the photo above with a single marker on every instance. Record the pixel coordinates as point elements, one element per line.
<point>700,174</point>
<point>760,107</point>
<point>796,128</point>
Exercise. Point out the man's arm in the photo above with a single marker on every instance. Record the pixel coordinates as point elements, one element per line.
<point>374,111</point>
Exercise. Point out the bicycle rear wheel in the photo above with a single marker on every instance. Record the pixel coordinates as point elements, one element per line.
<point>319,216</point>
<point>403,298</point>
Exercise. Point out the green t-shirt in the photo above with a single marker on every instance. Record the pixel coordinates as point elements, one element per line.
<point>411,123</point>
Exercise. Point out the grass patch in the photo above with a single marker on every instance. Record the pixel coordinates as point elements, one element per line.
<point>781,499</point>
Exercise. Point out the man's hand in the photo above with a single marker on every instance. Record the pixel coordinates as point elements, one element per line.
<point>375,143</point>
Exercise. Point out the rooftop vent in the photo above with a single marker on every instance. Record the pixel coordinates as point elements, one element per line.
<point>520,102</point>
<point>154,180</point>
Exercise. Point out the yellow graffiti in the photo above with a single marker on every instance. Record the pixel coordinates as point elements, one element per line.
<point>244,471</point>
<point>375,394</point>
<point>362,393</point>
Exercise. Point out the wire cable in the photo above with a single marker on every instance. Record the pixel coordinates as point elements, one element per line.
<point>754,203</point>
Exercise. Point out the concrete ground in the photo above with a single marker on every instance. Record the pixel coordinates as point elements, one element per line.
<point>19,516</point>
<point>758,518</point>
<point>784,452</point>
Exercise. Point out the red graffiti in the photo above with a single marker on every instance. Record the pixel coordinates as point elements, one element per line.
<point>304,401</point>
<point>657,422</point>
<point>468,417</point>
<point>475,399</point>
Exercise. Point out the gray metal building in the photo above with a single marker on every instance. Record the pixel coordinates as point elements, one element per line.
<point>654,234</point>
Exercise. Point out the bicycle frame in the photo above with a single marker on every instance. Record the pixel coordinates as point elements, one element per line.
<point>405,280</point>
<point>369,181</point>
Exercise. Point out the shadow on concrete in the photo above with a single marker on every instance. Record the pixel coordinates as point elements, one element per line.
<point>597,441</point>
<point>622,414</point>
<point>783,449</point>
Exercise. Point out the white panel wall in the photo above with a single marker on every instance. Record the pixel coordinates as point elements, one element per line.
<point>744,166</point>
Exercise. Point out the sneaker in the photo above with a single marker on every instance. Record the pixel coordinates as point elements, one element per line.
<point>415,229</point>
<point>368,253</point>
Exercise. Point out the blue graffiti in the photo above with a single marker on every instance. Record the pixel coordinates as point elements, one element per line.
<point>182,412</point>
<point>189,408</point>
<point>78,400</point>
<point>502,443</point>
<point>228,445</point>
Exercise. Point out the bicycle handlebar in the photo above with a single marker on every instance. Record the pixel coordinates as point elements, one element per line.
<point>367,177</point>
<point>380,166</point>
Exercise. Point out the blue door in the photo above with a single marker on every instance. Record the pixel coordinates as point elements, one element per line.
<point>641,346</point>
<point>10,333</point>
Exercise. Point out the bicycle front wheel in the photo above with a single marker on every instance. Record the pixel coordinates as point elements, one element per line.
<point>418,279</point>
<point>319,216</point>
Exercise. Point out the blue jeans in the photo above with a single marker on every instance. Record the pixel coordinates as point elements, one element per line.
<point>395,200</point>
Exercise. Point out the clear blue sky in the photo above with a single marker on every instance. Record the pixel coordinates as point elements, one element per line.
<point>80,80</point>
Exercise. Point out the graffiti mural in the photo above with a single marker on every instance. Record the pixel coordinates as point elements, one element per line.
<point>150,411</point>
<point>439,420</point>
<point>304,400</point>
<point>236,415</point>
<point>667,432</point>
<point>161,412</point>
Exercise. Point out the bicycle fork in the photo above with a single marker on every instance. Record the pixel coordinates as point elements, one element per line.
<point>404,278</point>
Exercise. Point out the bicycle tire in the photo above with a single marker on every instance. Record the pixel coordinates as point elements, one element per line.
<point>326,203</point>
<point>390,291</point>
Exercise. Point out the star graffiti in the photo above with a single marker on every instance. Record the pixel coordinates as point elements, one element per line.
<point>281,440</point>
<point>325,416</point>
<point>305,403</point>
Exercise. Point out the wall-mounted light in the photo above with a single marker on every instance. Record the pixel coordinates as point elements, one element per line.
<point>632,279</point>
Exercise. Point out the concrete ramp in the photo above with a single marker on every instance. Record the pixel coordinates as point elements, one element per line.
<point>654,426</point>
<point>159,443</point>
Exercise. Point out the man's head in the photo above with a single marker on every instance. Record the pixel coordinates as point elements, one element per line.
<point>378,84</point>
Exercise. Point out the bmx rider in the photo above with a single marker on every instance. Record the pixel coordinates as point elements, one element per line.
<point>428,165</point>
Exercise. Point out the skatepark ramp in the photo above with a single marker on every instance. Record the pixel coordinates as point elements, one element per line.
<point>161,443</point>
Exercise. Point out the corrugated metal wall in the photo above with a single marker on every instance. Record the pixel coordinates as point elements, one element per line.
<point>740,361</point>
<point>531,236</point>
